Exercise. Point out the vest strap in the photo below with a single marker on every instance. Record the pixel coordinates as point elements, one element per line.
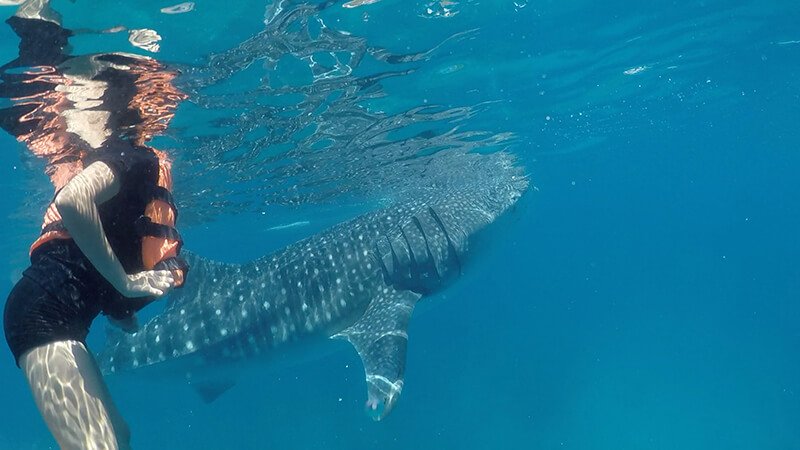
<point>58,225</point>
<point>146,227</point>
<point>163,194</point>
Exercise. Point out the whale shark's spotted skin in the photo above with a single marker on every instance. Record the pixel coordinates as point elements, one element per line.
<point>357,281</point>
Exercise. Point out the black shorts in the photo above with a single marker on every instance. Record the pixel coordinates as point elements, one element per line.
<point>57,299</point>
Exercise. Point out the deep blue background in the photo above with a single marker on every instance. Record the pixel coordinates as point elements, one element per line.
<point>644,295</point>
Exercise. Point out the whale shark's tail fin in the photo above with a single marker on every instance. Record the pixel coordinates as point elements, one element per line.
<point>380,337</point>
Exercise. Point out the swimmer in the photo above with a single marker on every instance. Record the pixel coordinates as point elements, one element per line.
<point>108,244</point>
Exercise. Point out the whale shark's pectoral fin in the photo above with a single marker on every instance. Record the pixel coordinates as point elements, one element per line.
<point>380,337</point>
<point>210,390</point>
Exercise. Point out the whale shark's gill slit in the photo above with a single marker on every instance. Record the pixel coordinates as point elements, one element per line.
<point>412,258</point>
<point>450,245</point>
<point>378,254</point>
<point>431,263</point>
<point>395,259</point>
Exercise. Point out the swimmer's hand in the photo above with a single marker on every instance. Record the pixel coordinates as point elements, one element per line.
<point>149,282</point>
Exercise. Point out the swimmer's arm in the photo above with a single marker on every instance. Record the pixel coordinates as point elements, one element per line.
<point>77,203</point>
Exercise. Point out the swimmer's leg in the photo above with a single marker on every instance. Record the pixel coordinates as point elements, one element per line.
<point>72,397</point>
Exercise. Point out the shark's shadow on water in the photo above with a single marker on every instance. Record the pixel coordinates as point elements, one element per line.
<point>357,281</point>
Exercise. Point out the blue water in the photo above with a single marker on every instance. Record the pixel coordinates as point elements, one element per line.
<point>643,296</point>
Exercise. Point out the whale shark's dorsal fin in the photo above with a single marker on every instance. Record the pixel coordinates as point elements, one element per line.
<point>380,337</point>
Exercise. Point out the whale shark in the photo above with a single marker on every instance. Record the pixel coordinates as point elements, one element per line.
<point>358,281</point>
